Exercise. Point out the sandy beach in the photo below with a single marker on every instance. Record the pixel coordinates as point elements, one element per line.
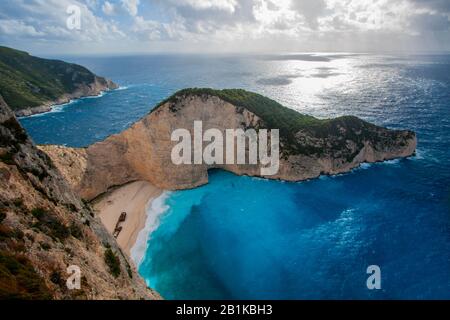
<point>134,199</point>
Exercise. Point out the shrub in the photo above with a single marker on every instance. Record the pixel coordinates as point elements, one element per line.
<point>56,278</point>
<point>16,246</point>
<point>38,213</point>
<point>113,262</point>
<point>76,231</point>
<point>7,158</point>
<point>128,267</point>
<point>2,215</point>
<point>72,207</point>
<point>18,234</point>
<point>16,129</point>
<point>19,280</point>
<point>30,237</point>
<point>5,232</point>
<point>18,202</point>
<point>45,246</point>
<point>58,230</point>
<point>49,224</point>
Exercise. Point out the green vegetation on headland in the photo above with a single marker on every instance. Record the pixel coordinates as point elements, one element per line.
<point>27,81</point>
<point>274,114</point>
<point>292,123</point>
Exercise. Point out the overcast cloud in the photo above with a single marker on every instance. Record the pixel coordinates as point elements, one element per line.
<point>118,26</point>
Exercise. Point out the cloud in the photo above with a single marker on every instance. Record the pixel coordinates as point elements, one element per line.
<point>150,30</point>
<point>310,10</point>
<point>232,25</point>
<point>220,5</point>
<point>272,5</point>
<point>210,16</point>
<point>131,6</point>
<point>46,21</point>
<point>15,28</point>
<point>108,8</point>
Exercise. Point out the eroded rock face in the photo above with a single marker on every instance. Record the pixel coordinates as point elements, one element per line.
<point>143,152</point>
<point>99,85</point>
<point>45,227</point>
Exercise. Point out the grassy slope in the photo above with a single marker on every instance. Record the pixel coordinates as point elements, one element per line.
<point>27,81</point>
<point>289,121</point>
<point>18,279</point>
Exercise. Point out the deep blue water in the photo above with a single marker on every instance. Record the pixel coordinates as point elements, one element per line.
<point>240,237</point>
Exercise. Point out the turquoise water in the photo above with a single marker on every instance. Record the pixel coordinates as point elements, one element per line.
<point>240,237</point>
<point>247,238</point>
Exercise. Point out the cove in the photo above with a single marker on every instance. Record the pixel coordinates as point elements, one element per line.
<point>251,238</point>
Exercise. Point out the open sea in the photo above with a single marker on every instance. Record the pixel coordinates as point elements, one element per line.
<point>249,238</point>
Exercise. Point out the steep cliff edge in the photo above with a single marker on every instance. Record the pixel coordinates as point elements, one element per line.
<point>45,228</point>
<point>309,146</point>
<point>31,85</point>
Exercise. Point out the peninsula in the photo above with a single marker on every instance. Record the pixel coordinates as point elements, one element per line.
<point>31,85</point>
<point>309,147</point>
<point>110,172</point>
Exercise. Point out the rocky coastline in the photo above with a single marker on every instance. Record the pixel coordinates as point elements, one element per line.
<point>143,151</point>
<point>93,89</point>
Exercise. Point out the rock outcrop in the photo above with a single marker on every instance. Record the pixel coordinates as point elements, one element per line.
<point>45,228</point>
<point>309,147</point>
<point>94,88</point>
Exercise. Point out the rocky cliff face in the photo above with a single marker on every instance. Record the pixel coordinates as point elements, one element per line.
<point>143,152</point>
<point>96,87</point>
<point>45,228</point>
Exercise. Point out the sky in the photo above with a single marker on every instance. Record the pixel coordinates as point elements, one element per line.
<point>224,26</point>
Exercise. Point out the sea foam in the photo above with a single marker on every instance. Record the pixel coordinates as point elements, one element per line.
<point>60,107</point>
<point>54,109</point>
<point>157,208</point>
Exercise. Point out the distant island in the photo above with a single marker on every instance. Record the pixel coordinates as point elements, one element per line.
<point>31,85</point>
